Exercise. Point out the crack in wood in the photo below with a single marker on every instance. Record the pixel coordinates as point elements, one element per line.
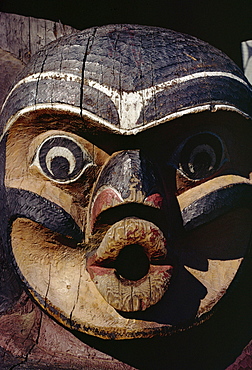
<point>87,52</point>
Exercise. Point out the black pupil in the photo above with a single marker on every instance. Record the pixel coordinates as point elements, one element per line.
<point>60,167</point>
<point>201,163</point>
<point>201,155</point>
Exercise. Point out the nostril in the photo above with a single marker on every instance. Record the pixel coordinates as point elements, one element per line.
<point>132,262</point>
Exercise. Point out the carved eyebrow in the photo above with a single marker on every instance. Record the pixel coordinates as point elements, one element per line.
<point>216,203</point>
<point>115,94</point>
<point>129,105</point>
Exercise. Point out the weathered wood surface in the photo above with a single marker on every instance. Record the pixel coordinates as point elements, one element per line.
<point>23,341</point>
<point>246,47</point>
<point>174,198</point>
<point>21,37</point>
<point>31,340</point>
<point>24,36</point>
<point>139,287</point>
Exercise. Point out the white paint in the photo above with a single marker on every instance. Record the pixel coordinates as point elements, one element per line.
<point>128,104</point>
<point>59,151</point>
<point>62,107</point>
<point>43,76</point>
<point>127,166</point>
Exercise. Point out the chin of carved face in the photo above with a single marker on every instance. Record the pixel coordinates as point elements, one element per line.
<point>135,242</point>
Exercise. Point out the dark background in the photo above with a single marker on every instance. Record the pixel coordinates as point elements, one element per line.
<point>222,23</point>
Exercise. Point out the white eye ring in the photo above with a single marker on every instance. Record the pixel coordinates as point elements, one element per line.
<point>200,155</point>
<point>65,147</point>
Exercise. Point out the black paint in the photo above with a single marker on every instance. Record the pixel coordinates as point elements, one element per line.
<point>130,169</point>
<point>131,58</point>
<point>59,167</point>
<point>201,156</point>
<point>217,203</point>
<point>23,203</point>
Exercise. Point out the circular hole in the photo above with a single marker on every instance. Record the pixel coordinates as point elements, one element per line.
<point>132,262</point>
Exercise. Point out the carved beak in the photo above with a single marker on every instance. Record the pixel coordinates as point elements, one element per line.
<point>129,267</point>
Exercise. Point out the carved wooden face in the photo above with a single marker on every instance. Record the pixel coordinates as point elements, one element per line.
<point>127,234</point>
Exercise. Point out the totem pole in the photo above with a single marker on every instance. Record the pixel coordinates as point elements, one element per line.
<point>125,198</point>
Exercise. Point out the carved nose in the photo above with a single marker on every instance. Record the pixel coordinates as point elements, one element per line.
<point>127,179</point>
<point>130,265</point>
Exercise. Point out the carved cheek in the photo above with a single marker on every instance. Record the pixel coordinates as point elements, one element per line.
<point>212,254</point>
<point>57,278</point>
<point>46,261</point>
<point>21,174</point>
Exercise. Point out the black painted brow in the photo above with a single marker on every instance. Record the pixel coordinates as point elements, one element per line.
<point>216,204</point>
<point>24,203</point>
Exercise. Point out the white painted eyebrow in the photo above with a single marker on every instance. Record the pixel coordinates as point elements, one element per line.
<point>128,104</point>
<point>62,107</point>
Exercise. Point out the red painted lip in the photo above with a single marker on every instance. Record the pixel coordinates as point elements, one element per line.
<point>131,231</point>
<point>146,289</point>
<point>94,270</point>
<point>131,295</point>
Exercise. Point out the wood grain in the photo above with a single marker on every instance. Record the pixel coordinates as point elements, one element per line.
<point>121,86</point>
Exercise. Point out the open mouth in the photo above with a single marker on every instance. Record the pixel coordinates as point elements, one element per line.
<point>129,267</point>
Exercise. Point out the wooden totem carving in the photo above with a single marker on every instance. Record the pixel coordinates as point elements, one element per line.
<point>125,187</point>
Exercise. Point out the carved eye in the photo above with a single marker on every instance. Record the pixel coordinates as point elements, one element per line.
<point>201,156</point>
<point>62,159</point>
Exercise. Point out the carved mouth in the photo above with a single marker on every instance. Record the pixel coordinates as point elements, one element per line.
<point>125,267</point>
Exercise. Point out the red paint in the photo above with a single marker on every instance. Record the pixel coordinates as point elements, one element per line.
<point>109,197</point>
<point>130,234</point>
<point>104,200</point>
<point>99,271</point>
<point>156,200</point>
<point>164,270</point>
<point>96,270</point>
<point>155,233</point>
